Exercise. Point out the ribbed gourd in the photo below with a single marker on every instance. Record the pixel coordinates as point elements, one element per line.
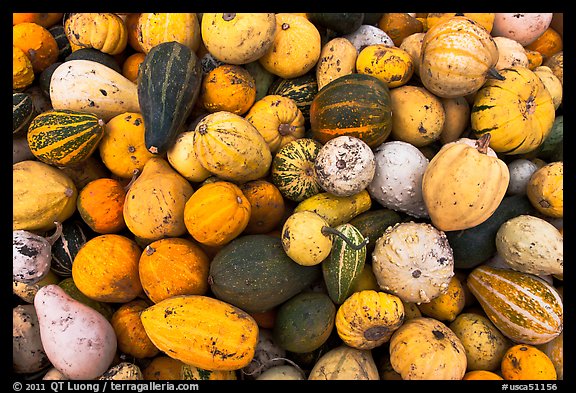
<point>168,87</point>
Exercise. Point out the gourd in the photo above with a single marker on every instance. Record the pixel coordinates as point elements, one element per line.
<point>524,28</point>
<point>344,166</point>
<point>68,285</point>
<point>217,213</point>
<point>413,261</point>
<point>481,375</point>
<point>94,55</point>
<point>163,367</point>
<point>262,78</point>
<point>22,71</point>
<point>100,203</point>
<point>59,34</point>
<point>372,224</point>
<point>456,119</point>
<point>88,86</point>
<point>130,333</point>
<point>367,319</point>
<point>484,344</point>
<point>45,19</point>
<point>418,115</point>
<point>283,372</point>
<point>64,137</point>
<point>267,206</point>
<point>254,273</point>
<point>123,371</point>
<point>292,169</point>
<point>228,87</point>
<point>74,235</point>
<point>456,57</point>
<point>153,29</point>
<point>230,147</point>
<point>368,34</point>
<point>42,195</point>
<point>23,112</point>
<point>545,189</point>
<point>397,181</point>
<point>556,64</point>
<point>344,264</point>
<point>105,31</point>
<point>232,38</point>
<point>167,322</point>
<point>524,307</point>
<point>426,349</point>
<point>526,362</point>
<point>28,354</point>
<point>131,66</point>
<point>307,238</point>
<point>399,25</point>
<point>551,83</point>
<point>486,20</point>
<point>155,202</point>
<point>521,170</point>
<point>278,119</point>
<point>301,89</point>
<point>391,64</point>
<point>555,351</point>
<point>37,44</point>
<point>345,363</point>
<point>106,269</point>
<point>510,53</point>
<point>304,322</point>
<point>548,44</point>
<point>173,266</point>
<point>357,105</point>
<point>77,339</point>
<point>464,183</point>
<point>336,210</point>
<point>296,39</point>
<point>26,292</point>
<point>32,255</point>
<point>182,156</point>
<point>337,58</point>
<point>168,88</point>
<point>341,23</point>
<point>528,108</point>
<point>122,147</point>
<point>531,245</point>
<point>268,354</point>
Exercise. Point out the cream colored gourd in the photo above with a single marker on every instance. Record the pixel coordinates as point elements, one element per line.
<point>345,363</point>
<point>337,58</point>
<point>464,184</point>
<point>89,86</point>
<point>154,204</point>
<point>510,53</point>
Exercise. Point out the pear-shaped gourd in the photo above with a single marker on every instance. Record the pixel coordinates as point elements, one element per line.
<point>32,255</point>
<point>154,204</point>
<point>78,340</point>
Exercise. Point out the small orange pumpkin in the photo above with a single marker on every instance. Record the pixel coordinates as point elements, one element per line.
<point>131,66</point>
<point>228,87</point>
<point>173,266</point>
<point>101,203</point>
<point>132,338</point>
<point>526,362</point>
<point>37,43</point>
<point>217,213</point>
<point>106,269</point>
<point>399,26</point>
<point>267,204</point>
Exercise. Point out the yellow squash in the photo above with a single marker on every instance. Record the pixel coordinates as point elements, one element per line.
<point>104,31</point>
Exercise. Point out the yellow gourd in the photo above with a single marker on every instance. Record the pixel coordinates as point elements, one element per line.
<point>392,65</point>
<point>463,184</point>
<point>155,28</point>
<point>545,189</point>
<point>526,362</point>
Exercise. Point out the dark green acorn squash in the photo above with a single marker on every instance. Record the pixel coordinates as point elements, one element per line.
<point>301,89</point>
<point>339,22</point>
<point>75,233</point>
<point>64,48</point>
<point>168,87</point>
<point>254,273</point>
<point>23,111</point>
<point>95,55</point>
<point>304,322</point>
<point>356,105</point>
<point>475,245</point>
<point>64,137</point>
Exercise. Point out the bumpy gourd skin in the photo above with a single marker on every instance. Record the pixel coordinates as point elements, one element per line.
<point>105,32</point>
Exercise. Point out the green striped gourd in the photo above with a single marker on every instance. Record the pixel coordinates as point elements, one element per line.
<point>65,248</point>
<point>524,307</point>
<point>293,169</point>
<point>168,87</point>
<point>301,89</point>
<point>64,137</point>
<point>22,111</point>
<point>344,264</point>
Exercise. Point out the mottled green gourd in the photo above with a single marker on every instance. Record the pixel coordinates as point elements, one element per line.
<point>168,86</point>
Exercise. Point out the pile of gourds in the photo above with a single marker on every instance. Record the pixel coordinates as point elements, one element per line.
<point>314,196</point>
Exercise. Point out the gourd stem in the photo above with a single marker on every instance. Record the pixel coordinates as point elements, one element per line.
<point>135,174</point>
<point>493,73</point>
<point>483,142</point>
<point>56,235</point>
<point>331,231</point>
<point>286,129</point>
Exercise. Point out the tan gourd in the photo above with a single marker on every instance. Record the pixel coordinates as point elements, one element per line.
<point>155,28</point>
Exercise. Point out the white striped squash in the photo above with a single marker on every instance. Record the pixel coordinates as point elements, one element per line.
<point>522,306</point>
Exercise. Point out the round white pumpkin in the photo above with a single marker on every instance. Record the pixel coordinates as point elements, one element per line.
<point>397,181</point>
<point>344,166</point>
<point>368,35</point>
<point>522,27</point>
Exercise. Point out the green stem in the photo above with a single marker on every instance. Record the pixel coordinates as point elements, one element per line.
<point>331,231</point>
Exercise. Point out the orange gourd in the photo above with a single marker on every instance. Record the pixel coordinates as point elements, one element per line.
<point>267,206</point>
<point>131,66</point>
<point>37,43</point>
<point>22,71</point>
<point>101,203</point>
<point>481,375</point>
<point>173,266</point>
<point>131,22</point>
<point>526,362</point>
<point>217,213</point>
<point>399,26</point>
<point>130,333</point>
<point>44,19</point>
<point>545,189</point>
<point>228,87</point>
<point>548,44</point>
<point>106,269</point>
